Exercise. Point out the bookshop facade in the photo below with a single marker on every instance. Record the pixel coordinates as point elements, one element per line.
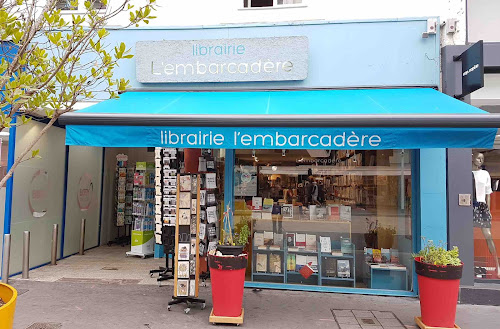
<point>309,134</point>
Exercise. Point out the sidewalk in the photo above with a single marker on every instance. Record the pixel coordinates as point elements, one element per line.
<point>133,306</point>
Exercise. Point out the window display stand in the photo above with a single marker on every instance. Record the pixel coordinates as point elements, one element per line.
<point>124,180</point>
<point>187,237</point>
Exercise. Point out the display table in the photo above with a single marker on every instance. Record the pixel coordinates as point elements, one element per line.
<point>390,277</point>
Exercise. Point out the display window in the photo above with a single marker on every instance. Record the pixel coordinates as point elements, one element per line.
<point>486,213</point>
<point>328,218</point>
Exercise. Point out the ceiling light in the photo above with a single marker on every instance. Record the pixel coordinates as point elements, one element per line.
<point>274,168</point>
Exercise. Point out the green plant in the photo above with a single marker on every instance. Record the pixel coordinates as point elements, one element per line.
<point>229,237</point>
<point>439,255</point>
<point>243,236</point>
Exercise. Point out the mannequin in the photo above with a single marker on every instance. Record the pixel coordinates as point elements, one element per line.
<point>481,204</point>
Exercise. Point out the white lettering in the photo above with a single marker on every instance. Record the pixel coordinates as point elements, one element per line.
<point>375,140</point>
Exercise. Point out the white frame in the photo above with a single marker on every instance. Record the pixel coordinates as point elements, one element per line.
<point>275,5</point>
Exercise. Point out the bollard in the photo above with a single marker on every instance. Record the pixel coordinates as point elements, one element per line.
<point>53,258</point>
<point>6,259</point>
<point>26,255</point>
<point>82,237</point>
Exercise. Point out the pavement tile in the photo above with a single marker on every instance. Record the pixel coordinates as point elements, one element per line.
<point>350,326</point>
<point>390,323</point>
<point>383,315</point>
<point>362,314</point>
<point>339,313</point>
<point>347,320</point>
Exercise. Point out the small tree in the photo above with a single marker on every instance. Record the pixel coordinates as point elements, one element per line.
<point>50,61</point>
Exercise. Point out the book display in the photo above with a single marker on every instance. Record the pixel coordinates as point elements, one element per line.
<point>143,210</point>
<point>280,258</point>
<point>187,242</point>
<point>124,180</point>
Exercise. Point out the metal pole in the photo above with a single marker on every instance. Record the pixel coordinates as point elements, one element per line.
<point>82,237</point>
<point>53,259</point>
<point>26,255</point>
<point>6,259</point>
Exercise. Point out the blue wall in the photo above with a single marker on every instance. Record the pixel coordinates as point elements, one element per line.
<point>345,54</point>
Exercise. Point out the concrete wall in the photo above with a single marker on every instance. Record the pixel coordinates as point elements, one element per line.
<point>483,21</point>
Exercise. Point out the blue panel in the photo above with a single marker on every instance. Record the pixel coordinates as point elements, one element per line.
<point>341,54</point>
<point>229,181</point>
<point>280,138</point>
<point>433,201</point>
<point>159,251</point>
<point>357,101</point>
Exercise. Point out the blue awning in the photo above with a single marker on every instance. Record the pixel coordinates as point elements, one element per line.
<point>328,119</point>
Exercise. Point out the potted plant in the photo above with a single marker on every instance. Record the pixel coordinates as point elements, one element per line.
<point>439,271</point>
<point>227,271</point>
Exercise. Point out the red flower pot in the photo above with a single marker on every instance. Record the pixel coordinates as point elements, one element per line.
<point>438,288</point>
<point>227,275</point>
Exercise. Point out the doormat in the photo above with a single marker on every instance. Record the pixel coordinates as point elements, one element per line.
<point>361,319</point>
<point>45,325</point>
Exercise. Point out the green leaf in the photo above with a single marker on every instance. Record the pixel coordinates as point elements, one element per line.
<point>35,153</point>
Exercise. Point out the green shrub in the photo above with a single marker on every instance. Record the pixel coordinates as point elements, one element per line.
<point>438,255</point>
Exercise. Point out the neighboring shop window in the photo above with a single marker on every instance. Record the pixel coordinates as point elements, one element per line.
<point>66,5</point>
<point>270,3</point>
<point>486,212</point>
<point>345,214</point>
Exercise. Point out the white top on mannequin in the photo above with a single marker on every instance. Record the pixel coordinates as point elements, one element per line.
<point>483,184</point>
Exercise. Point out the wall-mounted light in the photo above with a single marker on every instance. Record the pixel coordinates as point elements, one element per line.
<point>253,153</point>
<point>283,153</point>
<point>274,168</point>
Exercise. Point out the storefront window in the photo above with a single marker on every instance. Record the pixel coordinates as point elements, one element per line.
<point>329,218</point>
<point>486,212</point>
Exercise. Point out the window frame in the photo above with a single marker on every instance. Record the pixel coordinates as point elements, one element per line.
<point>275,5</point>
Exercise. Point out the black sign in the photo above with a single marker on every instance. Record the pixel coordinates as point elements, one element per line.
<point>472,68</point>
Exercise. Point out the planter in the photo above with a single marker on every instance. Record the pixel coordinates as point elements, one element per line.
<point>438,289</point>
<point>227,276</point>
<point>9,296</point>
<point>230,250</point>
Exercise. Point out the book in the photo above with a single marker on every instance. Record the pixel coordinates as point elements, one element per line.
<point>290,262</point>
<point>333,213</point>
<point>185,200</point>
<point>275,263</point>
<point>274,247</point>
<point>386,255</point>
<point>261,263</point>
<point>211,214</point>
<point>256,215</point>
<point>268,238</point>
<point>311,243</point>
<point>183,251</point>
<point>184,216</point>
<point>337,253</point>
<point>287,210</point>
<point>345,245</point>
<point>290,239</point>
<point>185,183</point>
<point>258,239</point>
<point>267,216</point>
<point>300,240</point>
<point>345,213</point>
<point>394,256</point>
<point>211,181</point>
<point>267,205</point>
<point>368,255</point>
<point>293,249</point>
<point>256,203</point>
<point>326,244</point>
<point>183,269</point>
<point>343,268</point>
<point>312,261</point>
<point>300,261</point>
<point>264,247</point>
<point>182,287</point>
<point>329,267</point>
<point>278,239</point>
<point>377,256</point>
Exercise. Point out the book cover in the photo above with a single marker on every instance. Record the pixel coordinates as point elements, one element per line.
<point>278,239</point>
<point>394,256</point>
<point>182,288</point>
<point>290,239</point>
<point>256,203</point>
<point>329,267</point>
<point>290,262</point>
<point>258,239</point>
<point>275,263</point>
<point>183,251</point>
<point>368,255</point>
<point>268,238</point>
<point>386,255</point>
<point>211,181</point>
<point>334,213</point>
<point>185,183</point>
<point>211,214</point>
<point>267,205</point>
<point>345,213</point>
<point>287,211</point>
<point>267,216</point>
<point>326,244</point>
<point>346,246</point>
<point>185,200</point>
<point>377,256</point>
<point>343,268</point>
<point>184,216</point>
<point>313,262</point>
<point>183,269</point>
<point>300,240</point>
<point>256,215</point>
<point>261,261</point>
<point>311,243</point>
<point>300,261</point>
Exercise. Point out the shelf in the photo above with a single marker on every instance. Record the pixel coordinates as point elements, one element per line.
<point>276,250</point>
<point>268,274</point>
<point>309,252</point>
<point>304,221</point>
<point>336,279</point>
<point>332,256</point>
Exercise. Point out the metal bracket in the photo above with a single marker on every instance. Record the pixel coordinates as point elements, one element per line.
<point>431,27</point>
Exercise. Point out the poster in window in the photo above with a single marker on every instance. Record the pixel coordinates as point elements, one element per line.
<point>245,181</point>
